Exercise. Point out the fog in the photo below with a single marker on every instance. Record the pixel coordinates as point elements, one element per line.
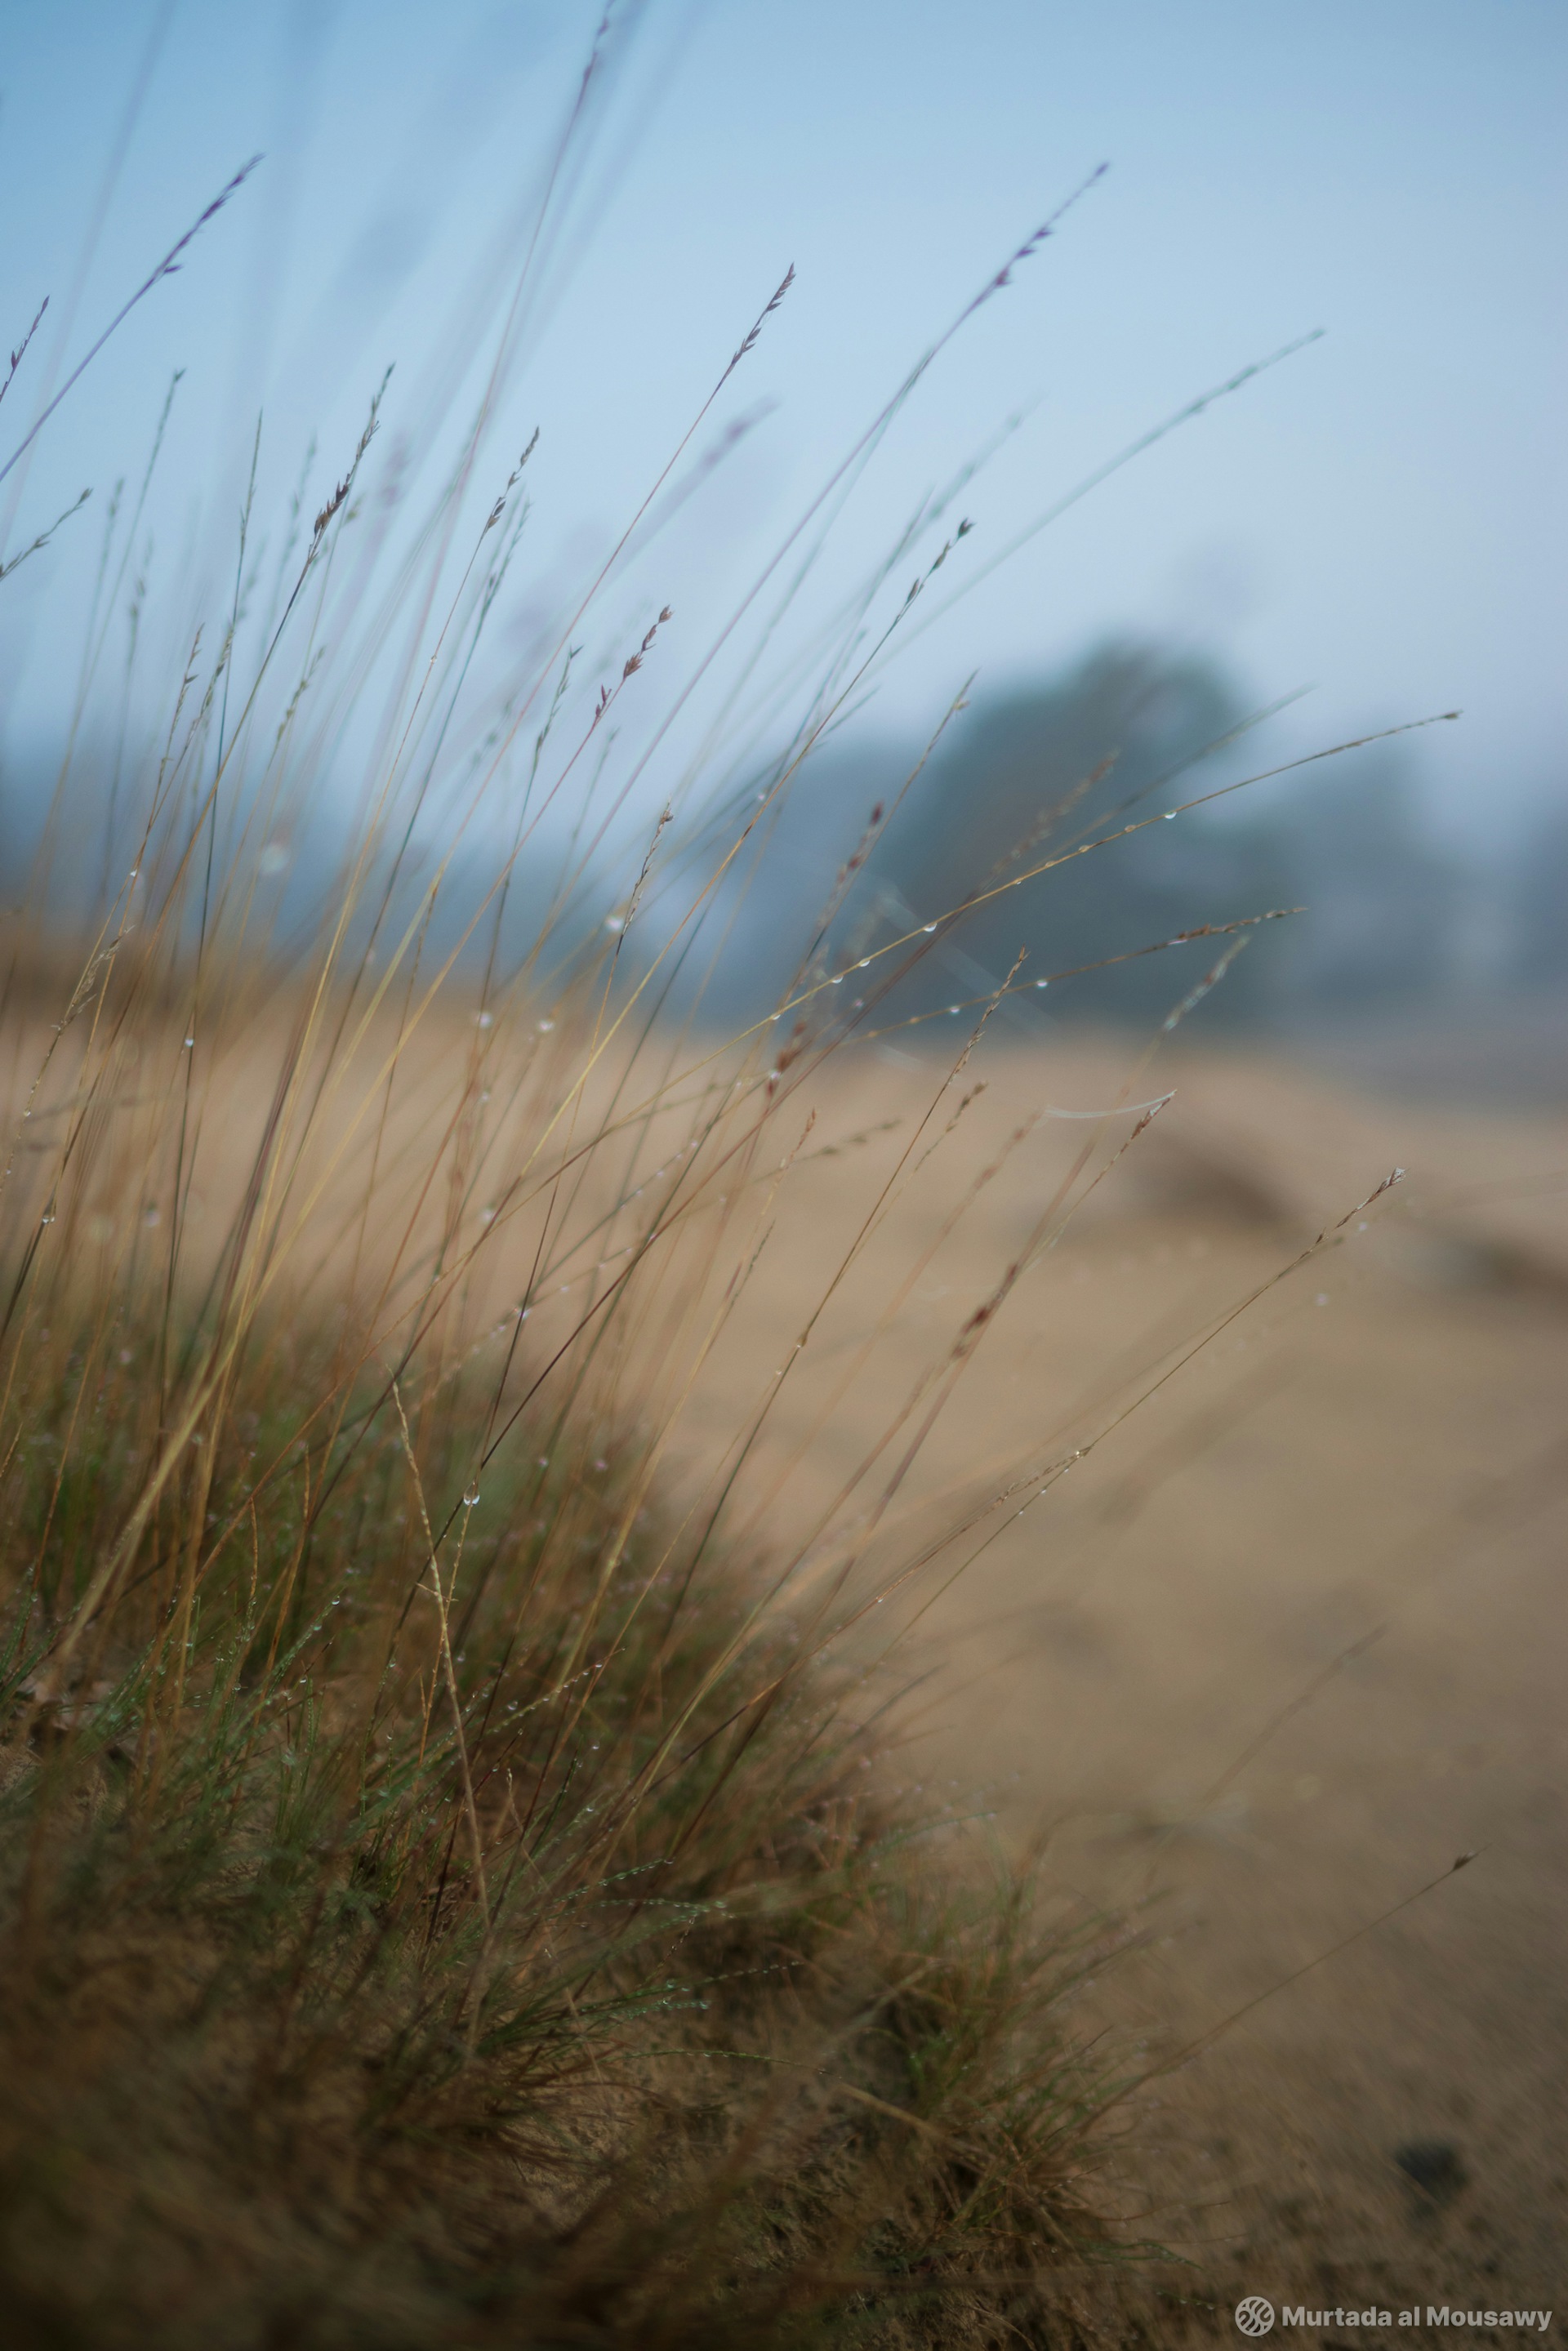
<point>1372,519</point>
<point>1250,456</point>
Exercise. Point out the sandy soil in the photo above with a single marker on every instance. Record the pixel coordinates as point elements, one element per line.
<point>1287,1640</point>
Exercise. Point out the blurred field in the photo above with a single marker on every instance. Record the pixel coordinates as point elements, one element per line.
<point>1283,1644</point>
<point>1284,1641</point>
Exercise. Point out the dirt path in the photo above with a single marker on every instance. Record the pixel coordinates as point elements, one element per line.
<point>1279,1648</point>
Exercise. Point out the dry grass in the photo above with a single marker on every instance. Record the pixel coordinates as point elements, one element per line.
<point>449,1880</point>
<point>450,1886</point>
<point>470,1433</point>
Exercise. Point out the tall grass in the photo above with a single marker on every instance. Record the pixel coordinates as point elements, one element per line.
<point>453,1888</point>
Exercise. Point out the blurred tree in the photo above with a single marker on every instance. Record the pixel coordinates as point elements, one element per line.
<point>1129,732</point>
<point>1029,777</point>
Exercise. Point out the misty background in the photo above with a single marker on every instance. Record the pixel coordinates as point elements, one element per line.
<point>1364,534</point>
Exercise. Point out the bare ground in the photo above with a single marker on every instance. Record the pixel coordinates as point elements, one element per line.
<point>1287,1641</point>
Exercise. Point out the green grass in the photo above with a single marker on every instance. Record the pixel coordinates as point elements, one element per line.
<point>572,1982</point>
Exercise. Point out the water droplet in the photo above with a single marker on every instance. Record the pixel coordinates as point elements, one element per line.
<point>545,1027</point>
<point>952,1009</point>
<point>486,1019</point>
<point>1043,983</point>
<point>486,1216</point>
<point>189,1043</point>
<point>930,926</point>
<point>48,1217</point>
<point>1170,816</point>
<point>470,1496</point>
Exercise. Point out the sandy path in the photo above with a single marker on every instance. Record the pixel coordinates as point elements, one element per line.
<point>1376,1453</point>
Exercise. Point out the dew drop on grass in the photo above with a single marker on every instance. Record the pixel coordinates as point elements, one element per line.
<point>470,1496</point>
<point>930,926</point>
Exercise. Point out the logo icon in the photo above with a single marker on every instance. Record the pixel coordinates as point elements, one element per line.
<point>1254,2316</point>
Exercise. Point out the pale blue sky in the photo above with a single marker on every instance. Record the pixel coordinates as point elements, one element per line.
<point>1380,517</point>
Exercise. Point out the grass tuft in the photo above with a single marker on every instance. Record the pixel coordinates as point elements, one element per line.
<point>398,1954</point>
